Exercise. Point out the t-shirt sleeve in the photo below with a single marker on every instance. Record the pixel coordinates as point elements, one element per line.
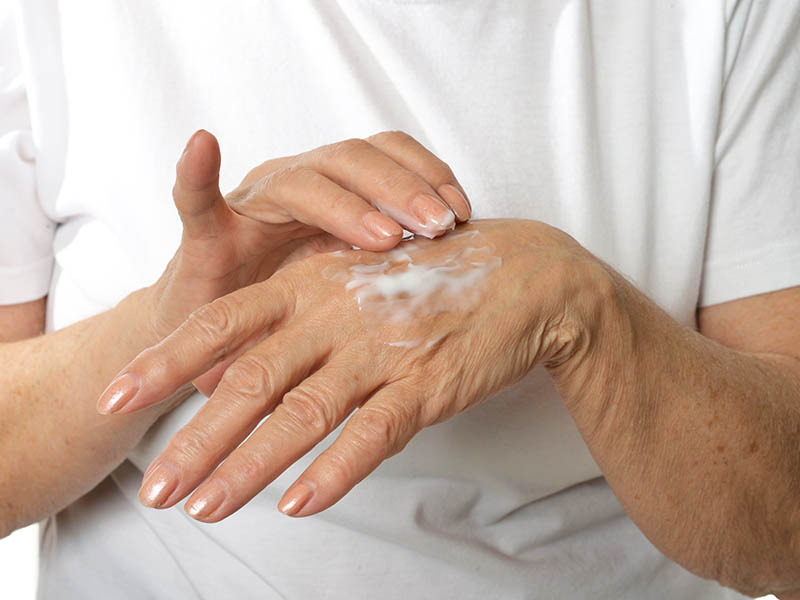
<point>26,233</point>
<point>753,243</point>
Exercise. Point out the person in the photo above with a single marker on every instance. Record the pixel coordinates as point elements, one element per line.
<point>608,411</point>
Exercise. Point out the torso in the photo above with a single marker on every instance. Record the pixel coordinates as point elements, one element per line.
<point>573,113</point>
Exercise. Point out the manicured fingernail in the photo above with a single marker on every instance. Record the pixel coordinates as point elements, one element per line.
<point>158,486</point>
<point>457,201</point>
<point>381,226</point>
<point>118,393</point>
<point>295,498</point>
<point>206,500</point>
<point>153,465</point>
<point>433,214</point>
<point>466,199</point>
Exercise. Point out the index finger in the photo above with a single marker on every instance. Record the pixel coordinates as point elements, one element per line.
<point>211,333</point>
<point>411,154</point>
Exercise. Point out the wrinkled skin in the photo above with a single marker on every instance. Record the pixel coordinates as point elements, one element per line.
<point>301,348</point>
<point>325,199</point>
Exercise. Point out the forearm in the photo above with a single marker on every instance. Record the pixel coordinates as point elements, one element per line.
<point>698,441</point>
<point>56,446</point>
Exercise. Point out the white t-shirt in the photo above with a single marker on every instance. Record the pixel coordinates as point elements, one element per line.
<point>664,136</point>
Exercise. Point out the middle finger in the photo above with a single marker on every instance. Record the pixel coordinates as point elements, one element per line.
<point>248,391</point>
<point>308,413</point>
<point>402,194</point>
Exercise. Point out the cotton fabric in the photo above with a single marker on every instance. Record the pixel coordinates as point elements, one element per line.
<point>663,136</point>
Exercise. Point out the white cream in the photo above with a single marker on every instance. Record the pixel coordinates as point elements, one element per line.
<point>418,283</point>
<point>401,287</point>
<point>433,341</point>
<point>405,343</point>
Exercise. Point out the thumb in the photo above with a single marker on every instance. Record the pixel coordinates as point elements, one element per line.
<point>196,192</point>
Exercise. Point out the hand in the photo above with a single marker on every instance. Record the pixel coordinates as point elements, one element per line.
<point>286,208</point>
<point>409,337</point>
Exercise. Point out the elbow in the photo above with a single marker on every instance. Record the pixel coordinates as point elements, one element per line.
<point>14,511</point>
<point>758,579</point>
<point>11,520</point>
<point>7,526</point>
<point>767,561</point>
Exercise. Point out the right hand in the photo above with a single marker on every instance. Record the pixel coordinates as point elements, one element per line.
<point>322,200</point>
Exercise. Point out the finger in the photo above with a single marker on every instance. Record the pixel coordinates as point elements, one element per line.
<point>196,192</point>
<point>208,381</point>
<point>379,429</point>
<point>321,243</point>
<point>402,194</point>
<point>208,336</point>
<point>307,414</point>
<point>248,391</point>
<point>302,194</point>
<point>409,153</point>
<point>318,244</point>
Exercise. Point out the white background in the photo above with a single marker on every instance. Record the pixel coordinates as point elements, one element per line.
<point>18,565</point>
<point>18,558</point>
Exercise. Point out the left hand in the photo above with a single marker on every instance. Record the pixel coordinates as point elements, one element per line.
<point>321,200</point>
<point>407,344</point>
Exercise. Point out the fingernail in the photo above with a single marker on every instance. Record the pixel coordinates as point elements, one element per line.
<point>194,137</point>
<point>295,498</point>
<point>158,486</point>
<point>381,226</point>
<point>457,201</point>
<point>466,199</point>
<point>432,213</point>
<point>188,144</point>
<point>150,469</point>
<point>206,500</point>
<point>118,393</point>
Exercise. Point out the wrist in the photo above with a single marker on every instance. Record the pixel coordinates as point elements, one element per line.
<point>587,300</point>
<point>593,331</point>
<point>141,313</point>
<point>167,302</point>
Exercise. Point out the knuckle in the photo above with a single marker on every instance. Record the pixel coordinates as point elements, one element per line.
<point>346,149</point>
<point>248,382</point>
<point>339,203</point>
<point>214,320</point>
<point>376,427</point>
<point>283,177</point>
<point>337,466</point>
<point>190,444</point>
<point>251,464</point>
<point>308,411</point>
<point>392,136</point>
<point>401,180</point>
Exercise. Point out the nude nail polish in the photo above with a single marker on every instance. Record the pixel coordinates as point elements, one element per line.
<point>158,486</point>
<point>433,215</point>
<point>153,466</point>
<point>206,500</point>
<point>457,201</point>
<point>296,497</point>
<point>380,226</point>
<point>118,393</point>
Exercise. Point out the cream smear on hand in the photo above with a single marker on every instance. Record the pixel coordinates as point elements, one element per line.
<point>403,286</point>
